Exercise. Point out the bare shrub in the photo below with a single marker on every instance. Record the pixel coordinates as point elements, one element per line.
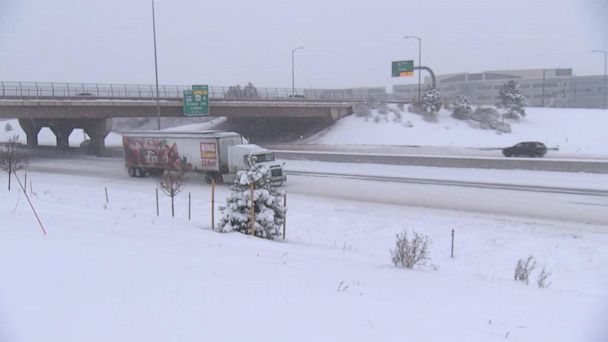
<point>11,158</point>
<point>543,278</point>
<point>172,183</point>
<point>362,110</point>
<point>383,108</point>
<point>523,269</point>
<point>411,252</point>
<point>8,127</point>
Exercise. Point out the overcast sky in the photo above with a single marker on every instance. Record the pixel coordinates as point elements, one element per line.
<point>347,43</point>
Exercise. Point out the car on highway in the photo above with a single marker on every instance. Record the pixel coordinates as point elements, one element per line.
<point>526,149</point>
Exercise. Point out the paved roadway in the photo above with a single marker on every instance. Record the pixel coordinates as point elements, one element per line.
<point>555,203</point>
<point>440,157</point>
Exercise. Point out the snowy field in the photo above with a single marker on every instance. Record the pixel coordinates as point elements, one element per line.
<point>574,131</point>
<point>116,272</point>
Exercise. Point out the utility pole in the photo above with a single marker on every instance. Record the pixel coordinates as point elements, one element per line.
<point>156,68</point>
<point>605,66</point>
<point>419,63</point>
<point>293,73</point>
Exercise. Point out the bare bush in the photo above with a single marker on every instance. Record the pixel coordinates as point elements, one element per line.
<point>543,278</point>
<point>523,269</point>
<point>383,108</point>
<point>11,159</point>
<point>172,183</point>
<point>8,127</point>
<point>411,252</point>
<point>362,110</point>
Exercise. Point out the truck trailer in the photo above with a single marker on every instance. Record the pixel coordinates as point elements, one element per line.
<point>217,155</point>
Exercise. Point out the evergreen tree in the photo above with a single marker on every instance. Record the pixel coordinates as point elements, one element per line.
<point>461,108</point>
<point>269,211</point>
<point>431,101</point>
<point>512,101</point>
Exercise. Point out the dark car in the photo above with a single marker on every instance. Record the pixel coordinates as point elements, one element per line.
<point>526,149</point>
<point>296,96</point>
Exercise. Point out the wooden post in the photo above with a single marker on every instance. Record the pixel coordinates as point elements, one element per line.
<point>252,210</point>
<point>25,183</point>
<point>212,203</point>
<point>452,253</point>
<point>107,199</point>
<point>189,205</point>
<point>31,188</point>
<point>285,215</point>
<point>31,205</point>
<point>157,212</point>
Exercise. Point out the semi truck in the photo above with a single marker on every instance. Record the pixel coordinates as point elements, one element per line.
<point>217,155</point>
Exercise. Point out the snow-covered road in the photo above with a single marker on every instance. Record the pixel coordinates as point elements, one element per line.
<point>563,196</point>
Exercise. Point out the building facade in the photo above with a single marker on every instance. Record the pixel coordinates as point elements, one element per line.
<point>542,87</point>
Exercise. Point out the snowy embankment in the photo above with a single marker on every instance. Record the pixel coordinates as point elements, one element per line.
<point>573,131</point>
<point>110,272</point>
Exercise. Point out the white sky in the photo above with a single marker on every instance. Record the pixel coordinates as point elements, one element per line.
<point>347,43</point>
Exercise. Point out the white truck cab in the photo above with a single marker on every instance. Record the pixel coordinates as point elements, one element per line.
<point>238,156</point>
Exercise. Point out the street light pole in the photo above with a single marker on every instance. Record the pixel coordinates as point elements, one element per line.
<point>605,67</point>
<point>156,68</point>
<point>419,62</point>
<point>293,82</point>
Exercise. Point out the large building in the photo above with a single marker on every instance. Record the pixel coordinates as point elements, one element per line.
<point>542,87</point>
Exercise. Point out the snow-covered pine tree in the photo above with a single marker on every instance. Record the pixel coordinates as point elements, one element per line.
<point>512,101</point>
<point>461,108</point>
<point>267,203</point>
<point>431,101</point>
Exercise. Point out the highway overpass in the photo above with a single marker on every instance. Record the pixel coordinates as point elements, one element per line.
<point>63,107</point>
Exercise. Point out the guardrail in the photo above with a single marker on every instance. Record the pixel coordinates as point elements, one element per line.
<point>51,90</point>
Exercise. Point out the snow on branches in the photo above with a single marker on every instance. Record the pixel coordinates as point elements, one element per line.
<point>265,207</point>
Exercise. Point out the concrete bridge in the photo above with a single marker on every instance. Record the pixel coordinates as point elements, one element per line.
<point>64,107</point>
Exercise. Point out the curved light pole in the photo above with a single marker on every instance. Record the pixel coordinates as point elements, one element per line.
<point>156,68</point>
<point>605,65</point>
<point>419,61</point>
<point>293,82</point>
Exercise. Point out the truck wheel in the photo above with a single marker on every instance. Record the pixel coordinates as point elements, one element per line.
<point>139,172</point>
<point>131,171</point>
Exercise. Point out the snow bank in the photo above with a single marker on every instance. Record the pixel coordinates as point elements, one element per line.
<point>574,131</point>
<point>116,272</point>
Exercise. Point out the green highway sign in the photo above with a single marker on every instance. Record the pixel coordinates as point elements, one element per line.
<point>402,68</point>
<point>196,101</point>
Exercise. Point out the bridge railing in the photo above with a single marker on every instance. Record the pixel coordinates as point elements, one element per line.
<point>90,91</point>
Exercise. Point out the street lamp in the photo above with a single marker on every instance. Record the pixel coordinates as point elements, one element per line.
<point>293,82</point>
<point>156,68</point>
<point>419,61</point>
<point>605,64</point>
